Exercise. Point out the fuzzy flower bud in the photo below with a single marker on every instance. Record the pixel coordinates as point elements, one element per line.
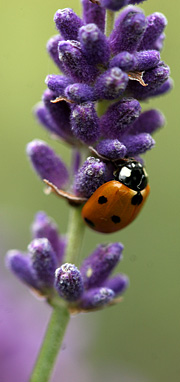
<point>138,144</point>
<point>146,59</point>
<point>44,227</point>
<point>124,60</point>
<point>93,13</point>
<point>111,149</point>
<point>156,23</point>
<point>44,261</point>
<point>97,267</point>
<point>118,284</point>
<point>20,264</point>
<point>94,44</point>
<point>52,48</point>
<point>74,62</point>
<point>119,117</point>
<point>114,5</point>
<point>46,163</point>
<point>90,176</point>
<point>68,282</point>
<point>57,83</point>
<point>148,122</point>
<point>84,122</point>
<point>96,298</point>
<point>80,93</point>
<point>111,84</point>
<point>128,32</point>
<point>68,23</point>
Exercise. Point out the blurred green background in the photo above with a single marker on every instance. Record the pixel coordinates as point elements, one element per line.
<point>142,335</point>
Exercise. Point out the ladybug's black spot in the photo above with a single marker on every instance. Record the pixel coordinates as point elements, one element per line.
<point>102,200</point>
<point>115,219</point>
<point>137,199</point>
<point>89,222</point>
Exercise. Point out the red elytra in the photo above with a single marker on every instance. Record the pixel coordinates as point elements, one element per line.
<point>113,206</point>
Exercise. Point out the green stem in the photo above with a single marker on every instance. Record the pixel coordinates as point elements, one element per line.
<point>110,15</point>
<point>51,344</point>
<point>75,234</point>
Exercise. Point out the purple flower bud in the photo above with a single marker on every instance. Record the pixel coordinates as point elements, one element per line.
<point>45,119</point>
<point>44,261</point>
<point>148,122</point>
<point>52,48</point>
<point>146,59</point>
<point>124,60</point>
<point>85,123</point>
<point>111,84</point>
<point>93,13</point>
<point>60,114</point>
<point>74,62</point>
<point>128,32</point>
<point>164,88</point>
<point>46,163</point>
<point>154,78</point>
<point>44,227</point>
<point>97,267</point>
<point>158,44</point>
<point>119,117</point>
<point>20,264</point>
<point>57,83</point>
<point>138,144</point>
<point>156,23</point>
<point>96,298</point>
<point>118,284</point>
<point>68,282</point>
<point>111,149</point>
<point>90,176</point>
<point>114,5</point>
<point>68,23</point>
<point>80,93</point>
<point>94,44</point>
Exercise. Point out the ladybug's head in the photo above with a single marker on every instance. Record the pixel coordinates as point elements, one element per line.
<point>132,174</point>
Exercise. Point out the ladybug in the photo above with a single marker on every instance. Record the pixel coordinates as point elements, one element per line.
<point>116,203</point>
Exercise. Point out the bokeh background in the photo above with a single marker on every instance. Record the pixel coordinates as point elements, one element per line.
<point>138,340</point>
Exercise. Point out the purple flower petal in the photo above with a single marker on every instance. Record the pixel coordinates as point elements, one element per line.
<point>156,23</point>
<point>111,149</point>
<point>80,93</point>
<point>118,284</point>
<point>52,48</point>
<point>57,83</point>
<point>111,84</point>
<point>146,59</point>
<point>124,60</point>
<point>148,122</point>
<point>138,144</point>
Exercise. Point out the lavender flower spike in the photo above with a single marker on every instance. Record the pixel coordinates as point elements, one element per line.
<point>68,282</point>
<point>46,163</point>
<point>96,298</point>
<point>90,176</point>
<point>44,261</point>
<point>97,267</point>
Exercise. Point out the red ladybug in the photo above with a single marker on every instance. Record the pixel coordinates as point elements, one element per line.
<point>116,203</point>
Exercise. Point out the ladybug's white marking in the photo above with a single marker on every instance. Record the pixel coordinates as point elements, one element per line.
<point>125,172</point>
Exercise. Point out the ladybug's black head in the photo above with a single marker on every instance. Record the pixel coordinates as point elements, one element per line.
<point>132,174</point>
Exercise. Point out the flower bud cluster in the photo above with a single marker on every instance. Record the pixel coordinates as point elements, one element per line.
<point>123,68</point>
<point>89,287</point>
